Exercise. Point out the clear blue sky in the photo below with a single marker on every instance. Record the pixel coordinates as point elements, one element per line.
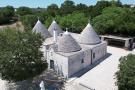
<point>45,3</point>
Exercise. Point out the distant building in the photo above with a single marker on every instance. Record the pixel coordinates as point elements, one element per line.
<point>132,5</point>
<point>68,53</point>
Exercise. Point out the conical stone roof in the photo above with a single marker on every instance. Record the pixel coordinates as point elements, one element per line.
<point>54,26</point>
<point>89,36</point>
<point>67,44</point>
<point>40,28</point>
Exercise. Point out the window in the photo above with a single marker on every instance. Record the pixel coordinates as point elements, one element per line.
<point>93,55</point>
<point>82,61</point>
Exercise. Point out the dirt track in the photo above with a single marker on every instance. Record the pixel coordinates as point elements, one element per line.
<point>16,25</point>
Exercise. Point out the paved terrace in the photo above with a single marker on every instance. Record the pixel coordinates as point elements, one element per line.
<point>102,76</point>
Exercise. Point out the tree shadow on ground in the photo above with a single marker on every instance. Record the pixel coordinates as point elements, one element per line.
<point>52,81</point>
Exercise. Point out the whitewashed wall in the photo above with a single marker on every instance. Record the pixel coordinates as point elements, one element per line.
<point>75,64</point>
<point>75,61</point>
<point>100,51</point>
<point>60,63</point>
<point>67,66</point>
<point>45,48</point>
<point>87,58</point>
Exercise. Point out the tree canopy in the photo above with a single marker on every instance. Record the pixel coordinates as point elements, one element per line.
<point>126,73</point>
<point>108,17</point>
<point>24,11</point>
<point>6,14</point>
<point>116,21</point>
<point>52,9</point>
<point>75,22</point>
<point>29,21</point>
<point>67,7</point>
<point>20,55</point>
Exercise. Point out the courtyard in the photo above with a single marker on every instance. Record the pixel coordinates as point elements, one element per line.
<point>102,76</point>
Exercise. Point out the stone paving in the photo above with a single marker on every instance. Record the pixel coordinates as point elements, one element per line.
<point>102,76</point>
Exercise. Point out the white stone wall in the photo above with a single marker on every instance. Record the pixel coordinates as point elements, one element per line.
<point>45,49</point>
<point>67,66</point>
<point>75,63</point>
<point>87,58</point>
<point>100,51</point>
<point>60,63</point>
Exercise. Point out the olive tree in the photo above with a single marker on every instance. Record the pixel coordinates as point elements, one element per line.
<point>126,73</point>
<point>20,55</point>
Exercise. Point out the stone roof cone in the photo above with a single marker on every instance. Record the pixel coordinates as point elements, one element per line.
<point>89,36</point>
<point>55,26</point>
<point>67,44</point>
<point>40,28</point>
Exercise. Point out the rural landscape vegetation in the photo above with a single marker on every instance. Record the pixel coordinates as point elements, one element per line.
<point>20,55</point>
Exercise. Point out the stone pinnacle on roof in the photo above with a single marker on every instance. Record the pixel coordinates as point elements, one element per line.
<point>54,26</point>
<point>40,28</point>
<point>89,36</point>
<point>67,44</point>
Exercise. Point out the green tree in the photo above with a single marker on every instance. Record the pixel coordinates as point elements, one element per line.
<point>116,21</point>
<point>6,14</point>
<point>20,56</point>
<point>75,22</point>
<point>126,73</point>
<point>81,7</point>
<point>48,21</point>
<point>116,3</point>
<point>24,11</point>
<point>43,15</point>
<point>67,7</point>
<point>29,21</point>
<point>53,9</point>
<point>9,11</point>
<point>97,9</point>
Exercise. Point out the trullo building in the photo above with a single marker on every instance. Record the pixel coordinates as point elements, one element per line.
<point>40,28</point>
<point>68,53</point>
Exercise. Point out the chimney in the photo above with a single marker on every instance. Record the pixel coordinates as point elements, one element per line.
<point>54,35</point>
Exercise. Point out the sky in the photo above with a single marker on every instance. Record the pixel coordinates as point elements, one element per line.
<point>45,3</point>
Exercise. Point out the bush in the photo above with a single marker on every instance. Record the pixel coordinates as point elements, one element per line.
<point>20,55</point>
<point>126,73</point>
